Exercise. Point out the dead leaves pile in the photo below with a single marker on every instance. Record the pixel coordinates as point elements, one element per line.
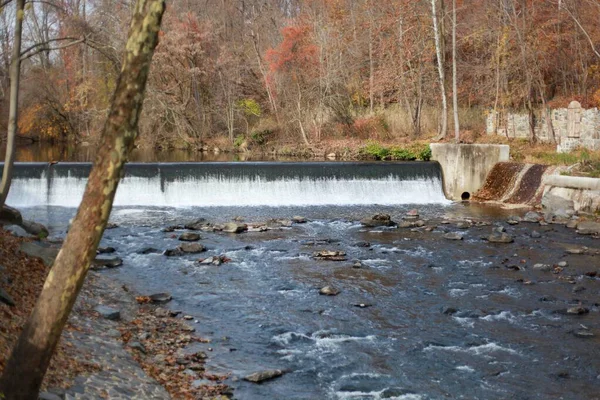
<point>22,278</point>
<point>163,337</point>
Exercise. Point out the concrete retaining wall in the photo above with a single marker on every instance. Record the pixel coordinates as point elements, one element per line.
<point>581,194</point>
<point>465,166</point>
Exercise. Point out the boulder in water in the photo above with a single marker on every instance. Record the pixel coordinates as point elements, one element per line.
<point>532,216</point>
<point>47,254</point>
<point>189,237</point>
<point>378,220</point>
<point>453,236</point>
<point>329,255</point>
<point>588,228</point>
<point>232,227</point>
<point>500,238</point>
<point>329,291</point>
<point>174,252</point>
<point>108,262</point>
<point>9,215</point>
<point>265,375</point>
<point>299,220</point>
<point>160,298</point>
<point>196,225</point>
<point>108,312</point>
<point>192,248</point>
<point>35,229</point>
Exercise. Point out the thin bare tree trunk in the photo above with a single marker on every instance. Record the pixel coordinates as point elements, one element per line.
<point>29,360</point>
<point>13,111</point>
<point>454,77</point>
<point>440,61</point>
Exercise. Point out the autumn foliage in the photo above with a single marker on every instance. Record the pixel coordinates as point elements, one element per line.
<point>313,69</point>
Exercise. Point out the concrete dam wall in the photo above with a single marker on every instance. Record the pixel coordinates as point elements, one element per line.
<point>466,166</point>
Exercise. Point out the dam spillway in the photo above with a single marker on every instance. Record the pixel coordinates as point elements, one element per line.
<point>236,184</point>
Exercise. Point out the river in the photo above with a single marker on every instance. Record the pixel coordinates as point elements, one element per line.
<point>418,316</point>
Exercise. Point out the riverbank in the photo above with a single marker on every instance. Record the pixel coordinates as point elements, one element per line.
<point>115,345</point>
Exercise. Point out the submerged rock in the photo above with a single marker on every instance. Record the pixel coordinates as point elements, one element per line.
<point>148,250</point>
<point>453,236</point>
<point>261,376</point>
<point>500,238</point>
<point>535,235</point>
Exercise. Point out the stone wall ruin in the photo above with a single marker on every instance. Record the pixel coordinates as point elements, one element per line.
<point>570,127</point>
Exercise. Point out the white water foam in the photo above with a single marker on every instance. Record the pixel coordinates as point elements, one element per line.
<point>233,191</point>
<point>375,395</point>
<point>476,350</point>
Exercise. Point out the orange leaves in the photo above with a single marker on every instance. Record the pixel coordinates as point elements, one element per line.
<point>297,51</point>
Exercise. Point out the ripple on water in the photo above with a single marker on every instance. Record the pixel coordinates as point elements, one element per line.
<point>483,349</point>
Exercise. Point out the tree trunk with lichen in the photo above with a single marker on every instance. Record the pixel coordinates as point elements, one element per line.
<point>29,360</point>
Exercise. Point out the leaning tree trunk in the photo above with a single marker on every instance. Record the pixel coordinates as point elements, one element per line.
<point>29,360</point>
<point>15,75</point>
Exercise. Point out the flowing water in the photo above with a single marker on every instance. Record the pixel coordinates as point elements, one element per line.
<point>385,335</point>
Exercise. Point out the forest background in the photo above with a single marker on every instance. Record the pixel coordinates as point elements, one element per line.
<point>247,73</point>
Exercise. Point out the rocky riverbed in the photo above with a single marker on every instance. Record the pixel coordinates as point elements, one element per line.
<point>116,345</point>
<point>364,302</point>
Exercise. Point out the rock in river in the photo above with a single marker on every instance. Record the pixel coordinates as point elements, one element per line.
<point>108,262</point>
<point>189,237</point>
<point>108,312</point>
<point>588,228</point>
<point>192,248</point>
<point>378,220</point>
<point>453,236</point>
<point>532,216</point>
<point>160,298</point>
<point>329,255</point>
<point>500,238</point>
<point>232,227</point>
<point>262,376</point>
<point>329,291</point>
<point>578,310</point>
<point>299,220</point>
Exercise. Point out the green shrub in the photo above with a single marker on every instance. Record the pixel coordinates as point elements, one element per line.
<point>402,154</point>
<point>260,137</point>
<point>375,150</point>
<point>239,139</point>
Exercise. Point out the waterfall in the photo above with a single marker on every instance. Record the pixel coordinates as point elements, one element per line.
<point>236,184</point>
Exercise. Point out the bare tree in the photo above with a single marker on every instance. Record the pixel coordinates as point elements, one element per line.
<point>454,77</point>
<point>440,65</point>
<point>15,75</point>
<point>31,356</point>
